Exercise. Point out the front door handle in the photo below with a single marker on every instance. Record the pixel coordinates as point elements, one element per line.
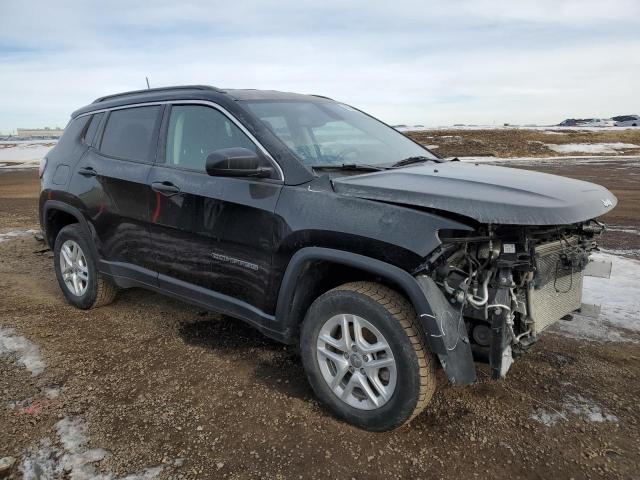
<point>166,188</point>
<point>87,172</point>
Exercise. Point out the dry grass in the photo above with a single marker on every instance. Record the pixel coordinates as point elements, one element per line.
<point>518,143</point>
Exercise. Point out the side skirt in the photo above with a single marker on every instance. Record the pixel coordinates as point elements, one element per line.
<point>126,275</point>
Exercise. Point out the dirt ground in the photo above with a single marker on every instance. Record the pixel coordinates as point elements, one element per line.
<point>162,384</point>
<point>519,142</point>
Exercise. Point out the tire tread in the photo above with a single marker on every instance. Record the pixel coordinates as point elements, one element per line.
<point>402,310</point>
<point>105,292</point>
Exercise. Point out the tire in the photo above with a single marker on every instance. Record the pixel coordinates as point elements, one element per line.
<point>379,311</point>
<point>95,290</point>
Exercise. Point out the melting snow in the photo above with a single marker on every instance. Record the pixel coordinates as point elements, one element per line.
<point>633,231</point>
<point>414,128</point>
<point>15,234</point>
<point>619,299</point>
<point>577,405</point>
<point>26,353</point>
<point>590,147</point>
<point>74,460</point>
<point>24,151</point>
<point>630,160</point>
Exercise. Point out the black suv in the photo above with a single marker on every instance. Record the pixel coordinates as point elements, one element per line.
<point>322,227</point>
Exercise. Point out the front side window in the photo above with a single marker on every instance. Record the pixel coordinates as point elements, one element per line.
<point>195,131</point>
<point>329,133</point>
<point>129,133</point>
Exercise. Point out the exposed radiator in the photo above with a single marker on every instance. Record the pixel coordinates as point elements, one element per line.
<point>556,289</point>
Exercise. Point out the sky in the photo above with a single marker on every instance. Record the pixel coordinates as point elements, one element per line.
<point>412,62</point>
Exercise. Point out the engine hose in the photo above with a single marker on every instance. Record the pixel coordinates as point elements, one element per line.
<point>481,301</point>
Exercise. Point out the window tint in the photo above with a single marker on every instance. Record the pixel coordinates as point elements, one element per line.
<point>195,131</point>
<point>129,133</point>
<point>93,128</point>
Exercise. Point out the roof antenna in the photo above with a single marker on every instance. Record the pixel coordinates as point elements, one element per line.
<point>147,79</point>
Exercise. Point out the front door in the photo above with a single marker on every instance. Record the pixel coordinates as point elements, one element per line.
<point>211,236</point>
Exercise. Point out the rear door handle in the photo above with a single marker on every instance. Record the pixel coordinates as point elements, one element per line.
<point>166,188</point>
<point>87,172</point>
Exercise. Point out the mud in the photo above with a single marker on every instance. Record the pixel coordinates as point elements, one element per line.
<point>159,383</point>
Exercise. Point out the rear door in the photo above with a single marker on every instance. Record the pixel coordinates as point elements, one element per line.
<point>111,183</point>
<point>211,236</point>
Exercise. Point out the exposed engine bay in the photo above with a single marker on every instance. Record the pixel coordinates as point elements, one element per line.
<point>507,284</point>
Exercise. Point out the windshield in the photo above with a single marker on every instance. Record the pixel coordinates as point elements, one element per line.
<point>331,133</point>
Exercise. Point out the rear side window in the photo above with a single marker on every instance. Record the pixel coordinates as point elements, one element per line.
<point>90,133</point>
<point>129,133</point>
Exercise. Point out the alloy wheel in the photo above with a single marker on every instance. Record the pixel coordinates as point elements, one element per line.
<point>356,361</point>
<point>74,268</point>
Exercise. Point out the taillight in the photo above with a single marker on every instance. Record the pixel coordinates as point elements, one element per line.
<point>43,165</point>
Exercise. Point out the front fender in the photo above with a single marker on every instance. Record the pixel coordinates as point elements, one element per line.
<point>434,312</point>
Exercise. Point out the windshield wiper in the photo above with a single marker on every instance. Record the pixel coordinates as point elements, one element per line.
<point>349,166</point>
<point>412,160</point>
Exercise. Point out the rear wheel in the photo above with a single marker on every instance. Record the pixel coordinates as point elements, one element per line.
<point>365,356</point>
<point>76,270</point>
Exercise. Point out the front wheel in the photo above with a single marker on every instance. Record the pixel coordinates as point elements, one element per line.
<point>365,356</point>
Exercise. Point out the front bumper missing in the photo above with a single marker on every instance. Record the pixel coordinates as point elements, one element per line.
<point>445,325</point>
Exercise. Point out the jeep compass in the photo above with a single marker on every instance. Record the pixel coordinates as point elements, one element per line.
<point>322,227</point>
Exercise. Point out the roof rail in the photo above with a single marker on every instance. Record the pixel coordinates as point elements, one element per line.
<point>320,96</point>
<point>152,90</point>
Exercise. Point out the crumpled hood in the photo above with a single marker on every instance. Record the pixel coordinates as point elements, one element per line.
<point>486,193</point>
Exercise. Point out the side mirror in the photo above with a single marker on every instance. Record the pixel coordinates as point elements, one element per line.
<point>236,162</point>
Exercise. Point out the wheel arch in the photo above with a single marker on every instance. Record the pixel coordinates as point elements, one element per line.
<point>56,215</point>
<point>294,297</point>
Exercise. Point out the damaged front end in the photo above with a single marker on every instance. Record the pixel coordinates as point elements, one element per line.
<point>495,290</point>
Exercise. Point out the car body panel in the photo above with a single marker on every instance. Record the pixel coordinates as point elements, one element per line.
<point>485,193</point>
<point>217,233</point>
<point>116,202</point>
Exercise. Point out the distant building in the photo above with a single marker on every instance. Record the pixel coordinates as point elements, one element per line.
<point>35,133</point>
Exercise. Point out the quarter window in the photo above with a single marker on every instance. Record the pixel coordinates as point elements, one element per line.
<point>195,131</point>
<point>129,133</point>
<point>93,127</point>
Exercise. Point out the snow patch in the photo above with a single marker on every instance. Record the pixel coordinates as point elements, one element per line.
<point>577,405</point>
<point>41,463</point>
<point>51,393</point>
<point>622,252</point>
<point>590,147</point>
<point>4,237</point>
<point>25,151</point>
<point>27,354</point>
<point>73,460</point>
<point>548,418</point>
<point>623,230</point>
<point>618,298</point>
<point>629,160</point>
<point>545,128</point>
